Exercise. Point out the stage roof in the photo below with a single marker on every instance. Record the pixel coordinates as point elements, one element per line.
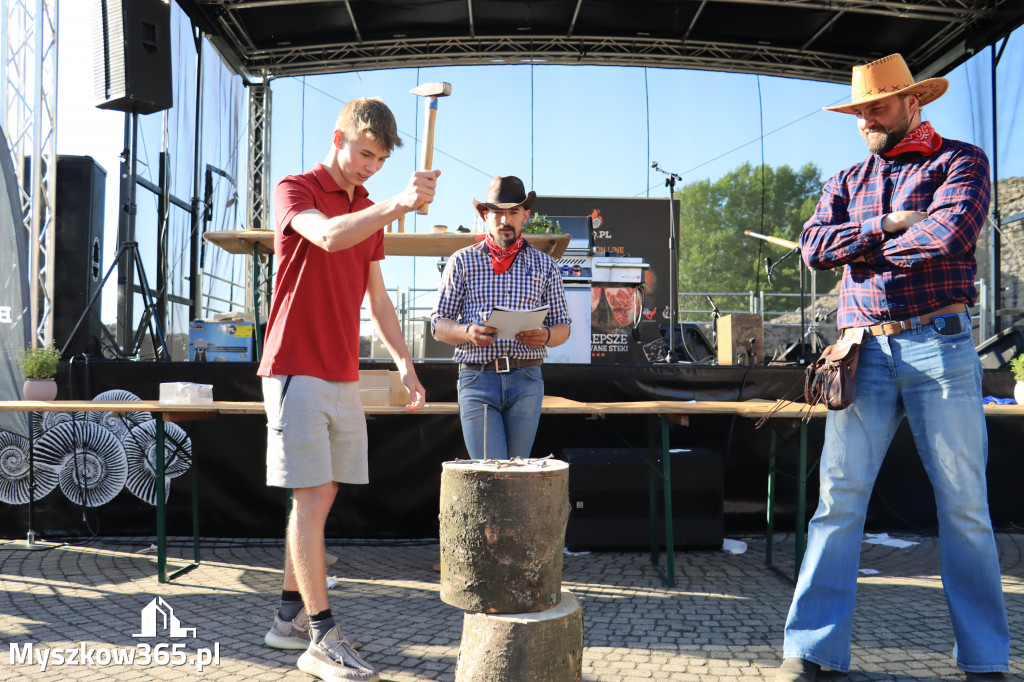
<point>811,39</point>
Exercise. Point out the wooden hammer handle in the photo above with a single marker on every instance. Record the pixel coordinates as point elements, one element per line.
<point>427,154</point>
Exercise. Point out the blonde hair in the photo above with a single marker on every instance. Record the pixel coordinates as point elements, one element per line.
<point>369,116</point>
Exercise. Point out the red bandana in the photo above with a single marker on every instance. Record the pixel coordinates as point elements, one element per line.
<point>501,259</point>
<point>922,139</point>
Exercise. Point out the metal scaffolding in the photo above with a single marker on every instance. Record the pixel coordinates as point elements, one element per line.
<point>258,189</point>
<point>28,111</point>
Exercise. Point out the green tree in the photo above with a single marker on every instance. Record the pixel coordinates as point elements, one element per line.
<point>715,255</point>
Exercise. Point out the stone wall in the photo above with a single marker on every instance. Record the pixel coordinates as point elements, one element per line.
<point>1011,202</point>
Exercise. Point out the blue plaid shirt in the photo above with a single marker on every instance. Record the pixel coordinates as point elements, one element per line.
<point>927,266</point>
<point>470,290</point>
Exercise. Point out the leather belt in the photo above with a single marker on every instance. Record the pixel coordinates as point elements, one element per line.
<point>501,365</point>
<point>895,327</point>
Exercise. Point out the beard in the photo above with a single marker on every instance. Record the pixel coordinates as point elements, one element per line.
<point>882,142</point>
<point>503,241</point>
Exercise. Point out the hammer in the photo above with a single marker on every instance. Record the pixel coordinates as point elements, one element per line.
<point>431,91</point>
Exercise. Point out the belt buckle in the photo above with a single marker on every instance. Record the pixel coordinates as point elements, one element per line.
<point>497,366</point>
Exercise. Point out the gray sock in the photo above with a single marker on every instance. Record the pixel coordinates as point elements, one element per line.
<point>291,604</point>
<point>320,624</point>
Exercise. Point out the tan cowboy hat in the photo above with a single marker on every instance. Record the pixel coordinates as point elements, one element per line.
<point>505,193</point>
<point>886,77</point>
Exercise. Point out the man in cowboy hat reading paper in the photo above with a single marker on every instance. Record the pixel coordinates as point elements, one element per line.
<point>500,384</point>
<point>903,225</point>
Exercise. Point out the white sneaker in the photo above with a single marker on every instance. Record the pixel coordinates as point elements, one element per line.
<point>285,634</point>
<point>333,658</point>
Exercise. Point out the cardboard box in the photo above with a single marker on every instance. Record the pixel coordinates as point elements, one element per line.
<point>382,388</point>
<point>220,341</point>
<point>740,340</point>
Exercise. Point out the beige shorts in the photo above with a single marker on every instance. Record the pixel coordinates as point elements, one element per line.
<point>316,432</point>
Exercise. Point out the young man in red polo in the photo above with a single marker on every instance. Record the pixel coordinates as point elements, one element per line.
<point>328,242</point>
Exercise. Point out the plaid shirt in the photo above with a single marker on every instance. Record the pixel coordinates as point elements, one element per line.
<point>470,290</point>
<point>927,266</point>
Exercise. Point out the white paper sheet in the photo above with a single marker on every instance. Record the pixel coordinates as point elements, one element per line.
<point>510,322</point>
<point>884,539</point>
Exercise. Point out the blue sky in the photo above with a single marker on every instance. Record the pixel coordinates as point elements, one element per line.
<point>565,130</point>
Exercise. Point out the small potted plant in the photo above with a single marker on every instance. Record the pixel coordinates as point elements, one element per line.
<point>39,366</point>
<point>541,224</point>
<point>1017,367</point>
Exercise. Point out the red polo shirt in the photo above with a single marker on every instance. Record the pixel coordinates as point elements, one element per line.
<point>313,328</point>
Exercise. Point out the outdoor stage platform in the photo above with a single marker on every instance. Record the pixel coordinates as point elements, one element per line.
<point>401,500</point>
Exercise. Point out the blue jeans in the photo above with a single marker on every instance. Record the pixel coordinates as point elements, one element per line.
<point>936,381</point>
<point>505,406</point>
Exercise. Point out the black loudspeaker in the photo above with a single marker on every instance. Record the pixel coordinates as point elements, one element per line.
<point>78,252</point>
<point>132,55</point>
<point>610,500</point>
<point>690,344</point>
<point>997,351</point>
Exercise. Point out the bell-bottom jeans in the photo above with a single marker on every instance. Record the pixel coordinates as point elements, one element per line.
<point>936,381</point>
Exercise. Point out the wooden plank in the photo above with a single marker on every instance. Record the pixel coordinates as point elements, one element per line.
<point>552,405</point>
<point>395,243</point>
<point>241,241</point>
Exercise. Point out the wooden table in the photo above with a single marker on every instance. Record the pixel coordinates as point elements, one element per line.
<point>163,412</point>
<point>665,411</point>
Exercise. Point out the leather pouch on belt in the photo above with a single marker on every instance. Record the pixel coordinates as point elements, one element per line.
<point>830,379</point>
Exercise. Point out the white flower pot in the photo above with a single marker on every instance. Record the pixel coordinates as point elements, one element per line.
<point>1018,392</point>
<point>39,389</point>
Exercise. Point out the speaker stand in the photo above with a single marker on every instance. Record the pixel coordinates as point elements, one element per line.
<point>29,544</point>
<point>129,251</point>
<point>149,314</point>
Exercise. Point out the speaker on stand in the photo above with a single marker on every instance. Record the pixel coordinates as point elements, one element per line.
<point>132,40</point>
<point>132,55</point>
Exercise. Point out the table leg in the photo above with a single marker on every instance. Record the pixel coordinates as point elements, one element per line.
<point>801,504</point>
<point>666,480</point>
<point>800,520</point>
<point>658,443</point>
<point>769,541</point>
<point>652,507</point>
<point>161,509</point>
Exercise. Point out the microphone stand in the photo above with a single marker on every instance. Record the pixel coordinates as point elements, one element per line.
<point>673,259</point>
<point>803,356</point>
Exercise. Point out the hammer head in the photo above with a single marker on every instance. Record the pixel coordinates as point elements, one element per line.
<point>432,90</point>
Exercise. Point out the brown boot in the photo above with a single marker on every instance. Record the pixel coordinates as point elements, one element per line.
<point>797,670</point>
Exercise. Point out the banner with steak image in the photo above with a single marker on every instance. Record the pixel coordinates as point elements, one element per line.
<point>627,227</point>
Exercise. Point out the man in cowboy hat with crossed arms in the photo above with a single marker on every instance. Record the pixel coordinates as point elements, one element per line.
<point>903,225</point>
<point>500,384</point>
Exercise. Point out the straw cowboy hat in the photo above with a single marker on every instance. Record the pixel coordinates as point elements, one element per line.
<point>886,77</point>
<point>505,193</point>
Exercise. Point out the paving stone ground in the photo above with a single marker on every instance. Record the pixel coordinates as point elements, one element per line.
<point>721,622</point>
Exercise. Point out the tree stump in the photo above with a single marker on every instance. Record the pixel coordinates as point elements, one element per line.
<point>502,534</point>
<point>523,647</point>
